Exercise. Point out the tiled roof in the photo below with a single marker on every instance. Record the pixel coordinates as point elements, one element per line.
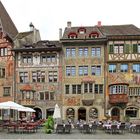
<point>47,44</point>
<point>104,31</point>
<point>88,31</point>
<point>41,45</point>
<point>119,30</point>
<point>23,34</point>
<point>6,22</point>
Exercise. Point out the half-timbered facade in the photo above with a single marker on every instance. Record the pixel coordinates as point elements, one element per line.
<point>122,71</point>
<point>38,76</point>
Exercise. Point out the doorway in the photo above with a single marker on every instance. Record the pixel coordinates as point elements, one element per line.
<point>82,113</point>
<point>115,114</point>
<point>38,113</point>
<point>49,112</point>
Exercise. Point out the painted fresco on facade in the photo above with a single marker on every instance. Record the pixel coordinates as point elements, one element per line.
<point>72,101</point>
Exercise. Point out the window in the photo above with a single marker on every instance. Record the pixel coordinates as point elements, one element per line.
<point>48,58</point>
<point>136,67</point>
<point>124,67</point>
<point>118,89</point>
<point>41,95</point>
<point>135,48</point>
<point>70,113</point>
<point>2,72</point>
<point>112,68</point>
<point>98,89</point>
<point>88,87</point>
<point>23,76</point>
<point>83,70</point>
<point>67,89</point>
<point>127,48</point>
<point>70,52</point>
<point>93,35</point>
<point>131,112</point>
<point>27,95</point>
<point>83,52</point>
<point>70,71</point>
<point>78,89</point>
<point>52,97</point>
<point>73,89</point>
<point>118,48</point>
<point>38,76</point>
<point>111,50</point>
<point>6,91</point>
<point>138,48</point>
<point>27,59</point>
<point>81,30</point>
<point>96,52</point>
<point>93,113</point>
<point>96,70</point>
<point>134,91</point>
<point>46,95</point>
<point>72,35</point>
<point>3,51</point>
<point>53,76</point>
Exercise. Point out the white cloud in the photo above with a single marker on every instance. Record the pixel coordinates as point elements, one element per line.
<point>50,15</point>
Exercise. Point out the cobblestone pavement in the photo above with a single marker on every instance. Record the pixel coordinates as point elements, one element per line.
<point>100,134</point>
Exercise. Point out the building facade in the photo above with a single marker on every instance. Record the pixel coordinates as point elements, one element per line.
<point>8,32</point>
<point>83,73</point>
<point>122,62</point>
<point>38,76</point>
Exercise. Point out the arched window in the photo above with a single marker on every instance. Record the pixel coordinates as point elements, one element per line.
<point>93,113</point>
<point>81,30</point>
<point>93,35</point>
<point>131,112</point>
<point>70,113</point>
<point>72,35</point>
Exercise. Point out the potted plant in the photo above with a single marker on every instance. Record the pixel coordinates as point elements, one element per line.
<point>49,125</point>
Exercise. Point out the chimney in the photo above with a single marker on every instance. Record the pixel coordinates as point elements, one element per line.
<point>60,33</point>
<point>69,24</point>
<point>31,26</point>
<point>99,24</point>
<point>33,29</point>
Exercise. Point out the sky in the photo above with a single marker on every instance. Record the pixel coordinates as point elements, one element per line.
<point>50,15</point>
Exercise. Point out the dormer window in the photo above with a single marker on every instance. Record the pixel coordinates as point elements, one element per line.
<point>81,30</point>
<point>93,35</point>
<point>72,35</point>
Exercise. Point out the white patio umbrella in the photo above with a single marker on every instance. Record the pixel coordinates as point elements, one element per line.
<point>57,112</point>
<point>26,109</point>
<point>10,105</point>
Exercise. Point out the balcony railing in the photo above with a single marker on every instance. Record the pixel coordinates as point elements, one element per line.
<point>118,98</point>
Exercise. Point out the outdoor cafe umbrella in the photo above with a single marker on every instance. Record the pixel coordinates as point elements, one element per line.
<point>26,109</point>
<point>10,105</point>
<point>57,112</point>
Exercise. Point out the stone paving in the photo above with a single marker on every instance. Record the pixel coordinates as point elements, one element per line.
<point>100,134</point>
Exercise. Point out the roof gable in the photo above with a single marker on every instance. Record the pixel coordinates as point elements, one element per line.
<point>6,22</point>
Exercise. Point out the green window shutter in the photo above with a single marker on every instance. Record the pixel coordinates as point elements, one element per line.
<point>127,48</point>
<point>135,48</point>
<point>111,48</point>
